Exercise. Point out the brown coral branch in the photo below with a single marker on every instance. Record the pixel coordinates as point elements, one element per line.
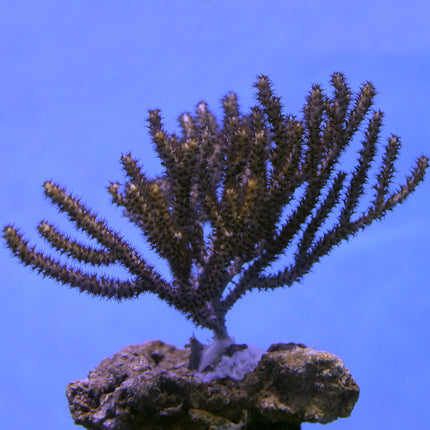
<point>233,198</point>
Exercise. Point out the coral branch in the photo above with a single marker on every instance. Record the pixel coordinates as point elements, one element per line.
<point>74,249</point>
<point>47,266</point>
<point>233,198</point>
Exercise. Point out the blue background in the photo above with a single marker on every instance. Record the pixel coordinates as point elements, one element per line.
<point>76,81</point>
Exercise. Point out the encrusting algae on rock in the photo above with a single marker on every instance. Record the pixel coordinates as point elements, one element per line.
<point>149,386</point>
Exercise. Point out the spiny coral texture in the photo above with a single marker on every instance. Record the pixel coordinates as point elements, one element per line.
<point>217,214</point>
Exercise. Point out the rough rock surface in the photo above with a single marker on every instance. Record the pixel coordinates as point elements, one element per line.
<point>149,387</point>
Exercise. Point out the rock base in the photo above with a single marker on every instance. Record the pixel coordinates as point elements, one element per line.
<point>149,387</point>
